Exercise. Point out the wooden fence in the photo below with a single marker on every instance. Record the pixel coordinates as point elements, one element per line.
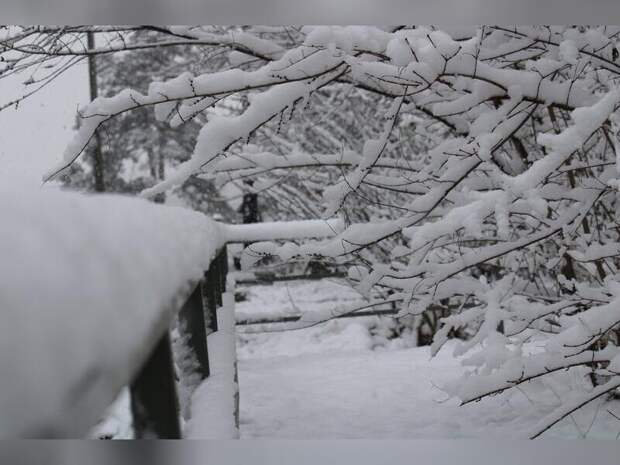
<point>154,402</point>
<point>142,359</point>
<point>144,363</point>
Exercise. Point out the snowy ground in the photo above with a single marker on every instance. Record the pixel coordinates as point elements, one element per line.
<point>338,380</point>
<point>346,379</point>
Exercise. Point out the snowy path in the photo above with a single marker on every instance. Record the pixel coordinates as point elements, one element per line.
<point>327,383</point>
<point>344,395</point>
<point>383,395</point>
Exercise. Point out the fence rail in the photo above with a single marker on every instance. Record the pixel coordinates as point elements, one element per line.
<point>144,363</point>
<point>270,278</point>
<point>392,310</point>
<point>154,403</point>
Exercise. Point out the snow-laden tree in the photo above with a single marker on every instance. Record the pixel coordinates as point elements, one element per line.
<point>476,171</point>
<point>138,150</point>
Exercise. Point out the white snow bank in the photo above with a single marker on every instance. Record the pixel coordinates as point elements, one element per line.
<point>85,284</point>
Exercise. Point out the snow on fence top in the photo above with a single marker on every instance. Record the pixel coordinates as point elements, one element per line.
<point>87,285</point>
<point>271,231</point>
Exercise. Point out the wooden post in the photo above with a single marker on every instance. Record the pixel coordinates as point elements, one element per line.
<point>236,365</point>
<point>154,402</point>
<point>210,302</point>
<point>224,267</point>
<point>215,277</point>
<point>193,327</point>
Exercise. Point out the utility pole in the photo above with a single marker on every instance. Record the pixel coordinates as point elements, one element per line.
<point>97,154</point>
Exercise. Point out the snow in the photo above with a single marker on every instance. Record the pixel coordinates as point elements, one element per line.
<point>247,41</point>
<point>318,69</point>
<point>251,159</point>
<point>348,38</point>
<point>85,283</point>
<point>524,177</point>
<point>212,413</point>
<point>568,51</point>
<point>339,381</point>
<point>587,120</point>
<point>292,299</point>
<point>221,132</point>
<point>49,114</point>
<point>351,394</point>
<point>117,421</point>
<point>373,148</point>
<point>269,231</point>
<point>345,379</point>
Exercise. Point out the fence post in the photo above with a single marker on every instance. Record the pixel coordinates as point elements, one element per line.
<point>154,402</point>
<point>215,286</point>
<point>215,277</point>
<point>223,275</point>
<point>224,267</point>
<point>210,302</point>
<point>193,329</point>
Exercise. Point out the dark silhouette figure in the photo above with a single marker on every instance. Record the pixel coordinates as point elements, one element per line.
<point>249,208</point>
<point>249,214</point>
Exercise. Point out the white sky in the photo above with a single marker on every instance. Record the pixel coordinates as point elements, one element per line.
<point>33,137</point>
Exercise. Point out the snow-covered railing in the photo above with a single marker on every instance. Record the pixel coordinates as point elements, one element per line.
<point>106,291</point>
<point>289,230</point>
<point>371,309</point>
<point>89,288</point>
